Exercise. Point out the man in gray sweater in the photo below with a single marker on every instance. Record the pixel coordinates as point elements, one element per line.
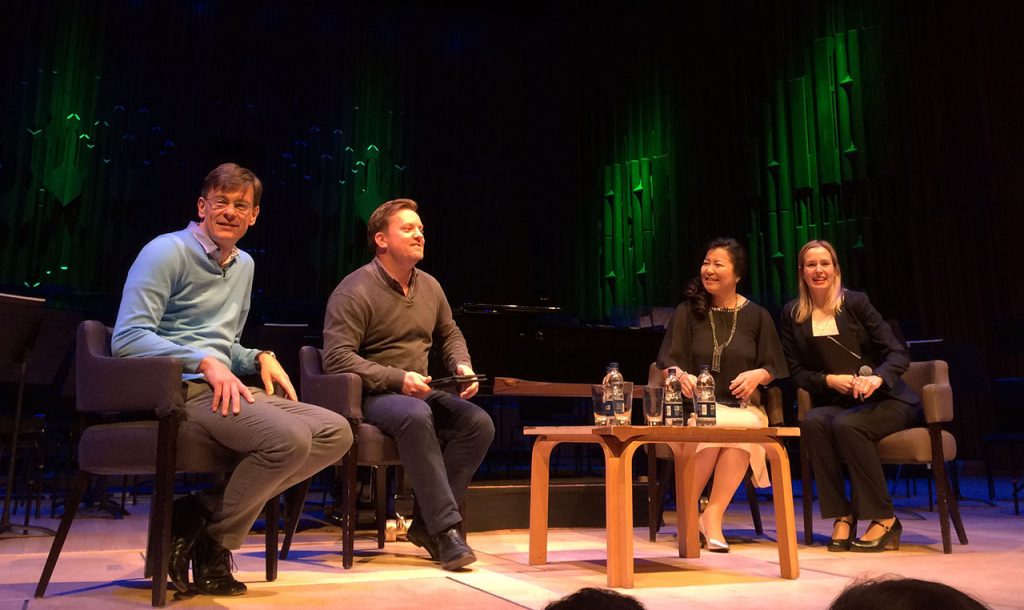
<point>381,322</point>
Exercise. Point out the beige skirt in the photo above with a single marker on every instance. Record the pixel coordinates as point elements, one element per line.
<point>744,417</point>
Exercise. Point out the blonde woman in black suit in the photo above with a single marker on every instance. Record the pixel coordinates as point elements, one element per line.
<point>841,351</point>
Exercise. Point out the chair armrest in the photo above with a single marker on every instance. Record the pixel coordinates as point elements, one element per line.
<point>111,384</point>
<point>338,392</point>
<point>938,402</point>
<point>771,400</point>
<point>803,403</point>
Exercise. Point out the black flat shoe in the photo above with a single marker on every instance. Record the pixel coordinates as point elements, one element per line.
<point>453,550</point>
<point>418,535</point>
<point>891,536</point>
<point>843,545</point>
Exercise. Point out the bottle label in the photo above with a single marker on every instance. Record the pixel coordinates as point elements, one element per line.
<point>608,407</point>
<point>618,406</point>
<point>705,409</point>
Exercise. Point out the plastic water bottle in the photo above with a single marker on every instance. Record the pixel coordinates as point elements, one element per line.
<point>704,397</point>
<point>674,415</point>
<point>618,412</point>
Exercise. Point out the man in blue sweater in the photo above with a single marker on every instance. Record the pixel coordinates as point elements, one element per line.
<point>187,296</point>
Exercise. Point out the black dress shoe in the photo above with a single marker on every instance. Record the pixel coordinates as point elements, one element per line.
<point>842,545</point>
<point>212,569</point>
<point>418,535</point>
<point>891,536</point>
<point>188,518</point>
<point>453,550</point>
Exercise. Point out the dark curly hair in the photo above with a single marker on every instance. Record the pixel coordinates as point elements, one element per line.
<point>897,593</point>
<point>592,598</point>
<point>695,292</point>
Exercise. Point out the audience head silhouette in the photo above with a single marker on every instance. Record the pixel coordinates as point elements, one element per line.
<point>591,598</point>
<point>897,593</point>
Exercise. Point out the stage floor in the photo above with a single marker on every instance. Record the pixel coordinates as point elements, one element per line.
<point>101,566</point>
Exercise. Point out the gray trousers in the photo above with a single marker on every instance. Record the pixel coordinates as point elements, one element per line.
<point>442,439</point>
<point>834,435</point>
<point>284,443</point>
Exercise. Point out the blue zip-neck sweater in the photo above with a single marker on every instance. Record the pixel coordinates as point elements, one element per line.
<point>178,302</point>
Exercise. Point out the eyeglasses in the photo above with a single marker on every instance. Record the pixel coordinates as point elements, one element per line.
<point>219,203</point>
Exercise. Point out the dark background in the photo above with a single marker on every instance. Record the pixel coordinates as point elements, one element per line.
<point>498,117</point>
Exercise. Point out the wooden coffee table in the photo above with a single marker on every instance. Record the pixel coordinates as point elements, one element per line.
<point>619,443</point>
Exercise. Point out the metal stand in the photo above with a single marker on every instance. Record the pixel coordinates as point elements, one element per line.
<point>23,315</point>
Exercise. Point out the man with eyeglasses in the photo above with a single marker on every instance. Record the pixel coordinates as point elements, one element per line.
<point>187,296</point>
<point>381,323</point>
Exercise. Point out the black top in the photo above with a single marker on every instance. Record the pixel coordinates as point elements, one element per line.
<point>688,344</point>
<point>863,328</point>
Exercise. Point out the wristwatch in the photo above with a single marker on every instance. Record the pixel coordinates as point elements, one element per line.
<point>266,351</point>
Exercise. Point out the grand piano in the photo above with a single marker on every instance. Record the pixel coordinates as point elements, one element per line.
<point>543,344</point>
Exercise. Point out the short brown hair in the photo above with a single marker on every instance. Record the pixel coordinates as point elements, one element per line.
<point>231,177</point>
<point>380,217</point>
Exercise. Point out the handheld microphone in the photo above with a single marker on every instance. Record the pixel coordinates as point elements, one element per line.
<point>864,371</point>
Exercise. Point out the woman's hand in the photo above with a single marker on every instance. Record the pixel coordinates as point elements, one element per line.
<point>864,387</point>
<point>746,382</point>
<point>841,383</point>
<point>687,382</point>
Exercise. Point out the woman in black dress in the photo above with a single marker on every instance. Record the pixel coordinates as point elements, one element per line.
<point>717,326</point>
<point>842,352</point>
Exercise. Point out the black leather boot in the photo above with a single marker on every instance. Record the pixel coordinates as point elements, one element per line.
<point>188,518</point>
<point>212,566</point>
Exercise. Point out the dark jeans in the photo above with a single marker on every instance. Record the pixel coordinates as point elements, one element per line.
<point>442,439</point>
<point>834,435</point>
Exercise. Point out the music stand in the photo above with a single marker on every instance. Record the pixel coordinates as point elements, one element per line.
<point>21,318</point>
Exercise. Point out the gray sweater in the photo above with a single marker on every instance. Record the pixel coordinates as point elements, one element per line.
<point>375,331</point>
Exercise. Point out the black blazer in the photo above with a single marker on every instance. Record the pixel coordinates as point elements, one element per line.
<point>877,344</point>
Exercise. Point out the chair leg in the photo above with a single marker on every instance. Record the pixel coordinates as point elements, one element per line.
<point>294,500</point>
<point>163,496</point>
<point>931,506</point>
<point>941,487</point>
<point>71,502</point>
<point>988,473</point>
<point>755,508</point>
<point>381,491</point>
<point>954,513</point>
<point>271,514</point>
<point>349,514</point>
<point>807,486</point>
<point>653,517</point>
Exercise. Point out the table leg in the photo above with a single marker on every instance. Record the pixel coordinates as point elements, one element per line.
<point>687,496</point>
<point>785,524</point>
<point>540,466</point>
<point>618,461</point>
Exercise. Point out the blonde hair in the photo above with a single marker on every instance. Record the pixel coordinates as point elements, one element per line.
<point>804,305</point>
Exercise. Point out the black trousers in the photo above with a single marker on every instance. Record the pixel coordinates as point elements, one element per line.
<point>442,440</point>
<point>834,434</point>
